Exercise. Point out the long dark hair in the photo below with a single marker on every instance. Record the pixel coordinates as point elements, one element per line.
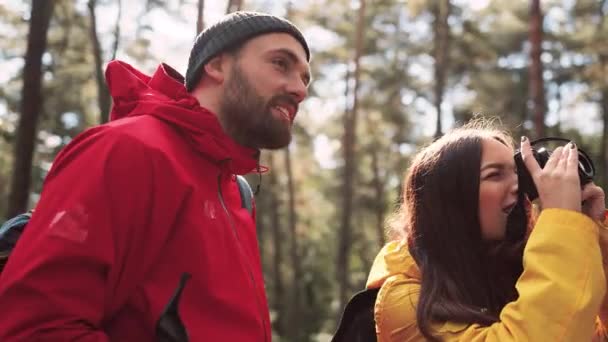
<point>464,278</point>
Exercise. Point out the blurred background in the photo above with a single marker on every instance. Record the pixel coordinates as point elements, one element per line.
<point>388,77</point>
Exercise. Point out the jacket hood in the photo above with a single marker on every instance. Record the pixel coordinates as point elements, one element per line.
<point>394,258</point>
<point>164,96</point>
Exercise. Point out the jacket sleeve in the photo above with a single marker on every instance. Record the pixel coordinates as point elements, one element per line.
<point>560,291</point>
<point>602,319</point>
<point>81,253</point>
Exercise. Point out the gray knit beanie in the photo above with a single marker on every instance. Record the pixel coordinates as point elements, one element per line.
<point>233,30</point>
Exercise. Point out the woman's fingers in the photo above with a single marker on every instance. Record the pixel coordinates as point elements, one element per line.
<point>593,198</point>
<point>557,183</point>
<point>572,158</point>
<point>554,159</point>
<point>528,158</point>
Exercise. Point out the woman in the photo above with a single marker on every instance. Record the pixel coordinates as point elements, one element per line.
<point>459,270</point>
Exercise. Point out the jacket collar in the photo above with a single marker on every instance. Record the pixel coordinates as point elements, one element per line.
<point>164,96</point>
<point>394,258</point>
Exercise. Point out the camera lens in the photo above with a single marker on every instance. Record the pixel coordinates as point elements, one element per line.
<point>586,169</point>
<point>542,156</point>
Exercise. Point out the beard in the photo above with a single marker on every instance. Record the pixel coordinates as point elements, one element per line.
<point>247,117</point>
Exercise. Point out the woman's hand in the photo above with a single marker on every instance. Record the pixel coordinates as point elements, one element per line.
<point>594,207</point>
<point>558,182</point>
<point>593,201</point>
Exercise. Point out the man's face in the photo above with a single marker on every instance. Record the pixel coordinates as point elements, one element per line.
<point>266,81</point>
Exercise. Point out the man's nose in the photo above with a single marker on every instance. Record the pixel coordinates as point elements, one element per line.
<point>297,88</point>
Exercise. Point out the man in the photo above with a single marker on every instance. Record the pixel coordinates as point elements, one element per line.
<point>143,213</point>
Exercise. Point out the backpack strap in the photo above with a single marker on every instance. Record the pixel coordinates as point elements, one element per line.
<point>246,193</point>
<point>10,231</point>
<point>17,221</point>
<point>357,323</point>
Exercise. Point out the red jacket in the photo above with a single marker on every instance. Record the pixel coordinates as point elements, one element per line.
<point>128,208</point>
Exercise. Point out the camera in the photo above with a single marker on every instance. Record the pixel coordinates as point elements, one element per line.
<point>541,152</point>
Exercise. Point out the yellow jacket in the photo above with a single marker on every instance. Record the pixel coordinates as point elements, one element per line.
<point>561,289</point>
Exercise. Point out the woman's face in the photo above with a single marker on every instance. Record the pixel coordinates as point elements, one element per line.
<point>497,188</point>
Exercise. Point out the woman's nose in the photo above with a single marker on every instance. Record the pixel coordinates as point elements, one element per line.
<point>515,184</point>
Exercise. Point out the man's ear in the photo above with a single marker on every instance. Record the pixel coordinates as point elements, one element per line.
<point>216,68</point>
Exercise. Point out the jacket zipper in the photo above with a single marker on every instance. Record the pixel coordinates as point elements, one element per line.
<point>236,234</point>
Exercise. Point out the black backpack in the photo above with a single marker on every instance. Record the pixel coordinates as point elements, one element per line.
<point>10,232</point>
<point>357,323</point>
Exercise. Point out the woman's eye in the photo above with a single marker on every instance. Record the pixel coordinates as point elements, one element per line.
<point>492,175</point>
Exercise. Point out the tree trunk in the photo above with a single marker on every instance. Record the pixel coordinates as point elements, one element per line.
<point>603,58</point>
<point>103,94</point>
<point>364,258</point>
<point>350,128</point>
<point>67,26</point>
<point>377,182</point>
<point>522,109</point>
<point>558,99</point>
<point>442,41</point>
<point>604,106</point>
<point>31,106</point>
<point>200,18</point>
<point>277,238</point>
<point>379,189</point>
<point>537,89</point>
<point>234,5</point>
<point>604,152</point>
<point>296,264</point>
<point>117,30</point>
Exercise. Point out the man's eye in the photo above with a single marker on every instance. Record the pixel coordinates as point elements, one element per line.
<point>281,63</point>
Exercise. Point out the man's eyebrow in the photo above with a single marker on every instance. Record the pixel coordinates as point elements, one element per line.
<point>294,59</point>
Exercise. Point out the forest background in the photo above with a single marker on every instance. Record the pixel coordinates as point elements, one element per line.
<point>389,76</point>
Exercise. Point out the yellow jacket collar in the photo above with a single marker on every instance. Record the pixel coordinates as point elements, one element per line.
<point>394,258</point>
